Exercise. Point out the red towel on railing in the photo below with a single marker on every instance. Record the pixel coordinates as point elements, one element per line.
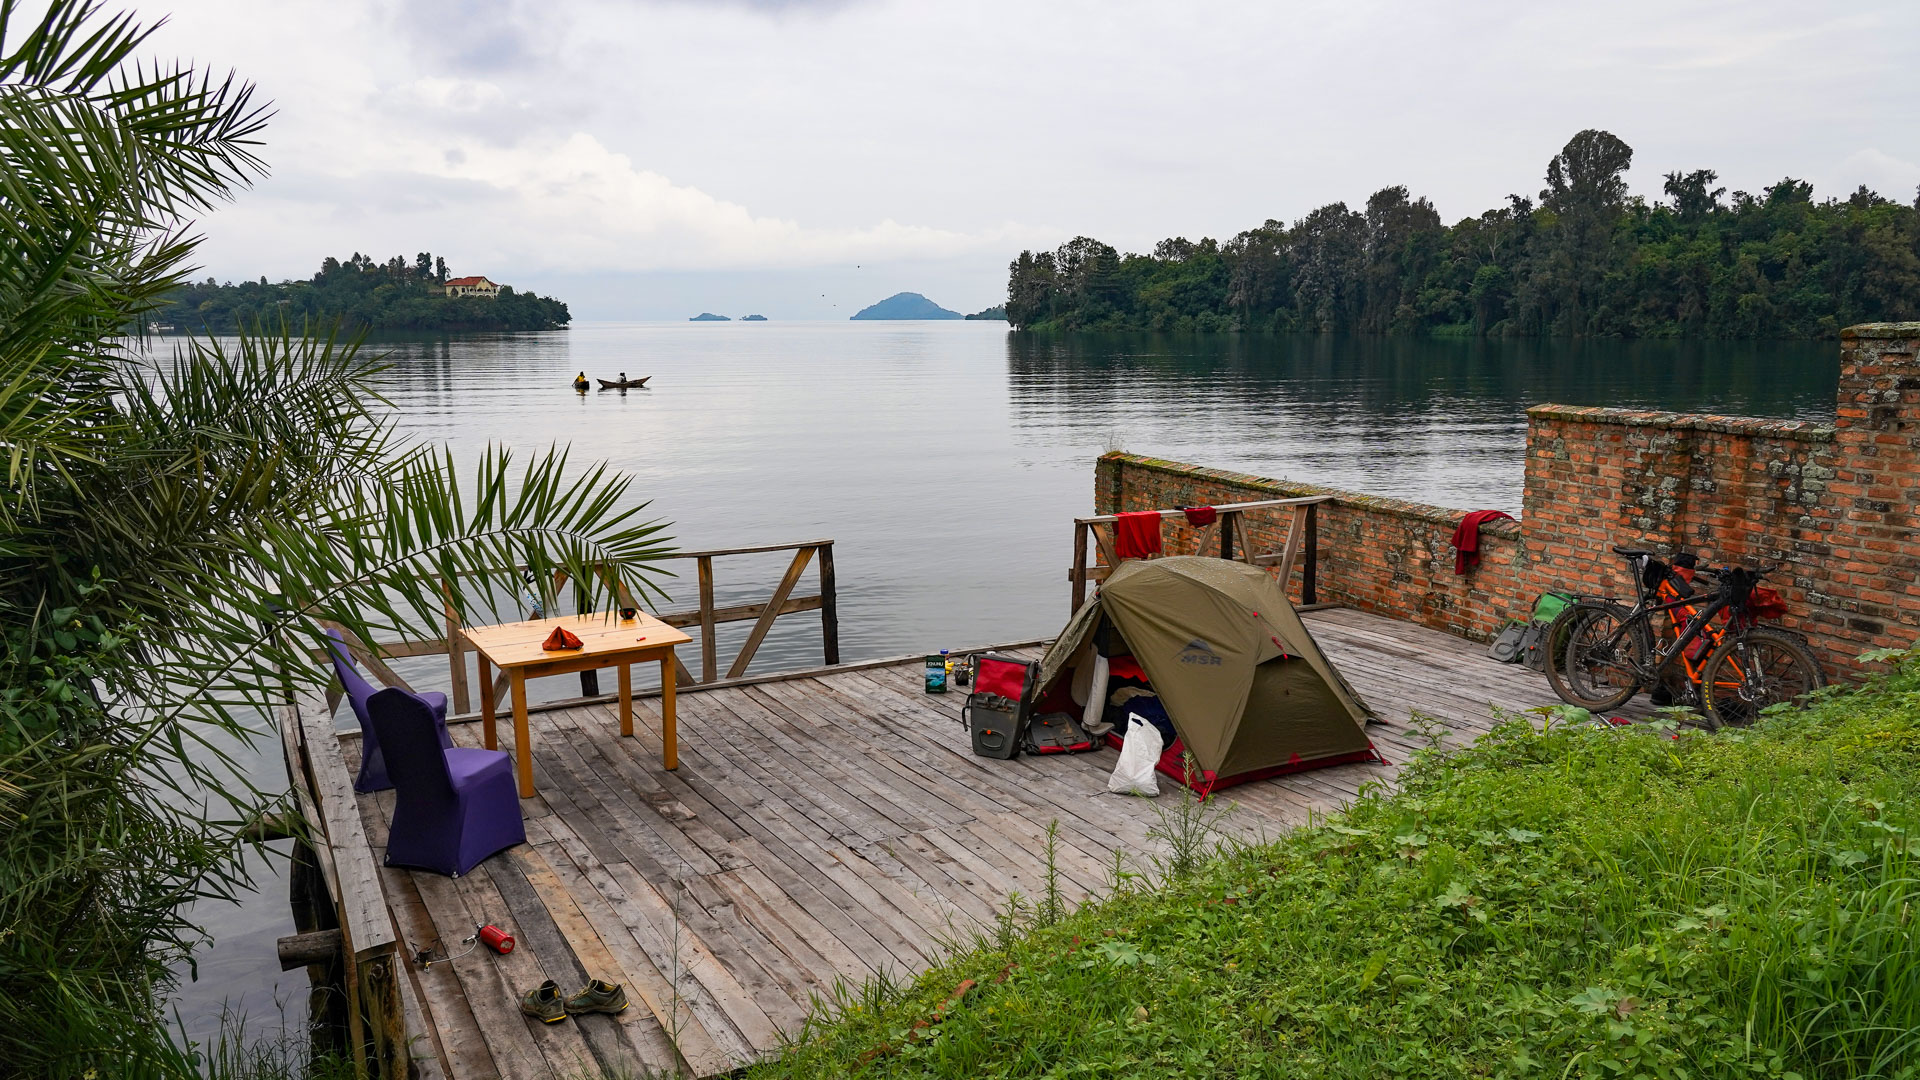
<point>1466,538</point>
<point>1200,516</point>
<point>1137,535</point>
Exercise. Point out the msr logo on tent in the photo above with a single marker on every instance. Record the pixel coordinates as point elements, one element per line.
<point>1199,652</point>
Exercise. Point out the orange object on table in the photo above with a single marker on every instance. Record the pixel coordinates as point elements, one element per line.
<point>561,638</point>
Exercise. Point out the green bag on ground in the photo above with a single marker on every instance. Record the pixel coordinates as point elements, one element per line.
<point>1549,606</point>
<point>1534,644</point>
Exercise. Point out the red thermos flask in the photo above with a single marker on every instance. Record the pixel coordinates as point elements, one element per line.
<point>497,939</point>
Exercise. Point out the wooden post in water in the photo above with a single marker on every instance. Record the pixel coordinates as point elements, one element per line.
<point>829,608</point>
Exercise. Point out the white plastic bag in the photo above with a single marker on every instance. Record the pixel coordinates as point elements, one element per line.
<point>1138,755</point>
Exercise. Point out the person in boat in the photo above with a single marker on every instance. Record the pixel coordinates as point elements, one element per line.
<point>580,381</point>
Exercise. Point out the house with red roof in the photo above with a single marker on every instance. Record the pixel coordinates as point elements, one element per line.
<point>472,286</point>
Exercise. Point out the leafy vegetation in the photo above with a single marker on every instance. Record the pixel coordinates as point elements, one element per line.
<point>172,530</point>
<point>1584,901</point>
<point>1585,259</point>
<point>358,293</point>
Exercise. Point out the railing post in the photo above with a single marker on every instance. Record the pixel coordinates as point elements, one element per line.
<point>829,608</point>
<point>456,654</point>
<point>1309,593</point>
<point>1227,521</point>
<point>386,1020</point>
<point>589,680</point>
<point>709,649</point>
<point>1079,564</point>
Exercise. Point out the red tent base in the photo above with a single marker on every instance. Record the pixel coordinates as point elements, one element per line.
<point>1204,782</point>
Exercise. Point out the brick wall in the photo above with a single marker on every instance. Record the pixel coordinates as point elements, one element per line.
<point>1835,505</point>
<point>1376,554</point>
<point>1730,489</point>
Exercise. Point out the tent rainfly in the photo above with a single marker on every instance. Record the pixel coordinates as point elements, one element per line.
<point>1247,688</point>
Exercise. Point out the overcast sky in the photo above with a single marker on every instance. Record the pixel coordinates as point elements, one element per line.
<point>647,160</point>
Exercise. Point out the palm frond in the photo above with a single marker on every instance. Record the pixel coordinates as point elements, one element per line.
<point>172,532</point>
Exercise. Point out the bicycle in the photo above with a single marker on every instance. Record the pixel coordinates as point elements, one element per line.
<point>1610,652</point>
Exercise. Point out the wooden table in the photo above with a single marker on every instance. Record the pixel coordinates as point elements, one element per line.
<point>606,641</point>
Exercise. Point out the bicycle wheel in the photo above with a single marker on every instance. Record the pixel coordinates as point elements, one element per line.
<point>1599,667</point>
<point>1752,670</point>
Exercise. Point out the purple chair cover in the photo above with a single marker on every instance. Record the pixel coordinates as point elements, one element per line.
<point>373,765</point>
<point>452,808</point>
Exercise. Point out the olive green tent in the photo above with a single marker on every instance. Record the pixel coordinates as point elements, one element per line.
<point>1246,686</point>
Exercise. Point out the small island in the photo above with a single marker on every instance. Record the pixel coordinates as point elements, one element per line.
<point>753,318</point>
<point>359,293</point>
<point>996,313</point>
<point>904,306</point>
<point>708,316</point>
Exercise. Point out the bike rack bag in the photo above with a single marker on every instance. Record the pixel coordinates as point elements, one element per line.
<point>997,710</point>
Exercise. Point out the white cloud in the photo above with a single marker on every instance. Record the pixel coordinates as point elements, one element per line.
<point>572,202</point>
<point>564,203</point>
<point>759,135</point>
<point>454,95</point>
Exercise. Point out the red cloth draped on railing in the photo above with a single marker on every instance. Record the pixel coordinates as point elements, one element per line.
<point>1137,535</point>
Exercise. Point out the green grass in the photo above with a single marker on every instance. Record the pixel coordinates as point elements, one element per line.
<point>1578,902</point>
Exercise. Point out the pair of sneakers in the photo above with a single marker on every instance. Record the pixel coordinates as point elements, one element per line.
<point>545,1004</point>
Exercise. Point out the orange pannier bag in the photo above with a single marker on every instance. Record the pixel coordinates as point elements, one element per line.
<point>1677,585</point>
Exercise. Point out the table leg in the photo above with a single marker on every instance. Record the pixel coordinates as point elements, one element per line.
<point>626,699</point>
<point>487,731</point>
<point>669,731</point>
<point>522,744</point>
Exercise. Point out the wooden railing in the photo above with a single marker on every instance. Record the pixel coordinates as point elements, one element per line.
<point>348,928</point>
<point>705,617</point>
<point>378,991</point>
<point>1234,541</point>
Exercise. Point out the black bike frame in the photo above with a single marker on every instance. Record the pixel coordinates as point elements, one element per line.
<point>1644,612</point>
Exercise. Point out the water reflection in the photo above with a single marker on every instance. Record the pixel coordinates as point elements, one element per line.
<point>1435,421</point>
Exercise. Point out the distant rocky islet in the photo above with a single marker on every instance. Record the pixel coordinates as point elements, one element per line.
<point>900,307</point>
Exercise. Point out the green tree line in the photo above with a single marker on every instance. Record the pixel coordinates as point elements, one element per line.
<point>359,293</point>
<point>1585,259</point>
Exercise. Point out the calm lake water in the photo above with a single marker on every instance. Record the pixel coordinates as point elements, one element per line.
<point>946,459</point>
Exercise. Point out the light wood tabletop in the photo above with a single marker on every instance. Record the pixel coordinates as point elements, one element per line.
<point>605,641</point>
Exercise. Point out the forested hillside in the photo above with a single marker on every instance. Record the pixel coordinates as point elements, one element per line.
<point>1585,259</point>
<point>360,293</point>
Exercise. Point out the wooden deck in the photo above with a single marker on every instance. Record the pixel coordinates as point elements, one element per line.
<point>818,829</point>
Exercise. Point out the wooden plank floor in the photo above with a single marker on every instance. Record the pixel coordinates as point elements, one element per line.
<point>821,829</point>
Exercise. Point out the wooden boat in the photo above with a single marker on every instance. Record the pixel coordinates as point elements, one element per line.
<point>629,384</point>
